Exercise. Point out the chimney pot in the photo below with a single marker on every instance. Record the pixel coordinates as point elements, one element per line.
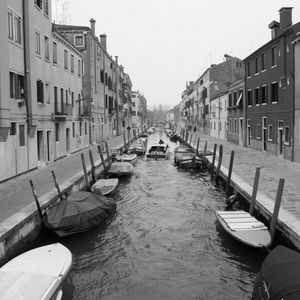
<point>103,40</point>
<point>92,22</point>
<point>285,15</point>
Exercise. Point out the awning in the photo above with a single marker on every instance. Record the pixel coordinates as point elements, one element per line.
<point>240,97</point>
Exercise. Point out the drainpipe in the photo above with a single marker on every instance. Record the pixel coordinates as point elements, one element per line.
<point>293,103</point>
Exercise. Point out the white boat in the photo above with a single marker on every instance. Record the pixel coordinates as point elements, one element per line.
<point>182,153</point>
<point>36,274</point>
<point>245,228</point>
<point>120,169</point>
<point>105,186</point>
<point>138,147</point>
<point>132,158</point>
<point>158,151</point>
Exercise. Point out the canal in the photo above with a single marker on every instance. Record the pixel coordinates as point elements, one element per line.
<point>164,243</point>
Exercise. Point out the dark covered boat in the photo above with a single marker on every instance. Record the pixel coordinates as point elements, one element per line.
<point>279,277</point>
<point>79,212</point>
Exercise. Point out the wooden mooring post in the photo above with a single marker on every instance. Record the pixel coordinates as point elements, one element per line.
<point>86,179</point>
<point>229,174</point>
<point>93,168</point>
<point>276,208</point>
<point>36,199</point>
<point>57,186</point>
<point>205,149</point>
<point>212,166</point>
<point>124,139</point>
<point>254,191</point>
<point>219,161</point>
<point>102,158</point>
<point>186,136</point>
<point>197,151</point>
<point>191,140</point>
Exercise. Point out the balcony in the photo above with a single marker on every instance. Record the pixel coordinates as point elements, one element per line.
<point>62,111</point>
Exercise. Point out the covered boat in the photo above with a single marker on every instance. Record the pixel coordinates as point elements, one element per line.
<point>79,212</point>
<point>105,186</point>
<point>36,274</point>
<point>120,169</point>
<point>132,158</point>
<point>279,276</point>
<point>158,151</point>
<point>182,153</point>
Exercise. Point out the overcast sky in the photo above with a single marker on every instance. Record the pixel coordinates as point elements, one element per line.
<point>164,43</point>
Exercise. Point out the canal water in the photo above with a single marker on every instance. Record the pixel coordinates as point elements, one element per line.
<point>164,243</point>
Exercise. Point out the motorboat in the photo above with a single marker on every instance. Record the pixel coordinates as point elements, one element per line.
<point>79,212</point>
<point>36,274</point>
<point>279,276</point>
<point>105,186</point>
<point>119,169</point>
<point>182,153</point>
<point>158,151</point>
<point>138,147</point>
<point>132,158</point>
<point>245,228</point>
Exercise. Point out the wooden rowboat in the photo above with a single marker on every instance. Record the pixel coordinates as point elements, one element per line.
<point>118,169</point>
<point>105,186</point>
<point>245,228</point>
<point>132,158</point>
<point>36,274</point>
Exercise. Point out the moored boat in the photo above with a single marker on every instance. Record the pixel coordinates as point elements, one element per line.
<point>138,147</point>
<point>158,151</point>
<point>119,169</point>
<point>182,153</point>
<point>105,186</point>
<point>36,274</point>
<point>132,158</point>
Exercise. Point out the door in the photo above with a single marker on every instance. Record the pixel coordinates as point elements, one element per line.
<point>40,147</point>
<point>248,133</point>
<point>264,133</point>
<point>241,132</point>
<point>68,140</point>
<point>48,146</point>
<point>280,138</point>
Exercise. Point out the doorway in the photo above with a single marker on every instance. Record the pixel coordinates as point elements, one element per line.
<point>68,140</point>
<point>40,148</point>
<point>264,133</point>
<point>241,132</point>
<point>280,138</point>
<point>48,146</point>
<point>248,133</point>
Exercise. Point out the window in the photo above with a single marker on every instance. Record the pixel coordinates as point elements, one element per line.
<point>234,98</point>
<point>79,67</point>
<point>55,100</point>
<point>16,86</point>
<point>79,41</point>
<point>249,97</point>
<point>263,94</point>
<point>40,91</point>
<point>240,99</point>
<point>80,128</point>
<point>72,63</point>
<point>66,59</point>
<point>102,76</point>
<point>258,131</point>
<point>46,7</point>
<point>256,65</point>
<point>54,53</point>
<point>287,135</point>
<point>273,55</point>
<point>47,92</point>
<point>263,61</point>
<point>38,3</point>
<point>67,97</point>
<point>22,135</point>
<point>37,43</point>
<point>46,48</point>
<point>270,132</point>
<point>57,132</point>
<point>230,100</point>
<point>10,25</point>
<point>73,129</point>
<point>235,126</point>
<point>274,92</point>
<point>133,104</point>
<point>248,69</point>
<point>13,128</point>
<point>18,33</point>
<point>62,99</point>
<point>257,102</point>
<point>85,128</point>
<point>72,98</point>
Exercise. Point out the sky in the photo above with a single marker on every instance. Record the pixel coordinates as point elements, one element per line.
<point>162,44</point>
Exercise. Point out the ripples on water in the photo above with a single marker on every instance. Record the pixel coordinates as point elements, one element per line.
<point>164,243</point>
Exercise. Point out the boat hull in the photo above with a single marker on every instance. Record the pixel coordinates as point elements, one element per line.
<point>105,186</point>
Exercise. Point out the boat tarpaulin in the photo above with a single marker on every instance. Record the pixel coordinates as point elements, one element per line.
<point>279,276</point>
<point>79,212</point>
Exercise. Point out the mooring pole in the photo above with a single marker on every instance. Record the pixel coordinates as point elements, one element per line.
<point>205,149</point>
<point>56,185</point>
<point>186,136</point>
<point>93,168</point>
<point>191,140</point>
<point>276,208</point>
<point>254,191</point>
<point>219,160</point>
<point>182,134</point>
<point>124,139</point>
<point>229,173</point>
<point>102,158</point>
<point>85,172</point>
<point>213,159</point>
<point>197,151</point>
<point>36,199</point>
<point>107,154</point>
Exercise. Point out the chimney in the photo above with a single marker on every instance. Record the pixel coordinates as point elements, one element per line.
<point>274,26</point>
<point>103,40</point>
<point>122,68</point>
<point>285,14</point>
<point>116,59</point>
<point>92,21</point>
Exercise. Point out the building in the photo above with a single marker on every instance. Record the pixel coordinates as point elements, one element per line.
<point>236,113</point>
<point>270,86</point>
<point>139,111</point>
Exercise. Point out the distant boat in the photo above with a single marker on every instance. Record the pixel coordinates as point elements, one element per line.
<point>105,186</point>
<point>279,276</point>
<point>132,158</point>
<point>158,151</point>
<point>119,169</point>
<point>244,228</point>
<point>36,274</point>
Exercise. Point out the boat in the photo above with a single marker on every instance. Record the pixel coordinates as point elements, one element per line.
<point>182,153</point>
<point>36,274</point>
<point>138,147</point>
<point>193,162</point>
<point>158,151</point>
<point>279,276</point>
<point>105,186</point>
<point>131,157</point>
<point>244,228</point>
<point>120,169</point>
<point>79,212</point>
